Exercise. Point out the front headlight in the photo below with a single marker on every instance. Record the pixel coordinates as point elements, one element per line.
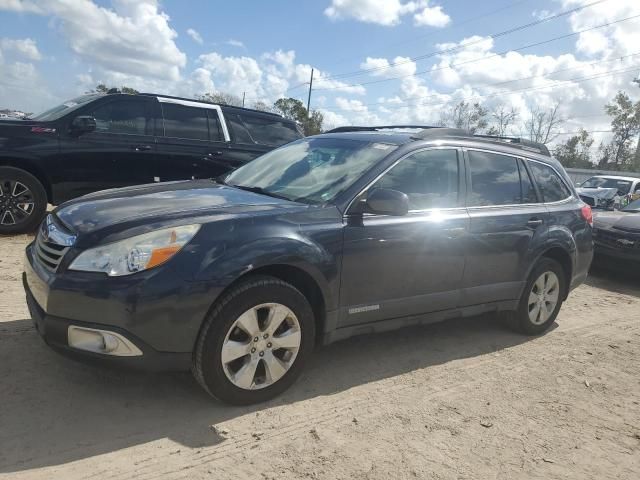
<point>136,253</point>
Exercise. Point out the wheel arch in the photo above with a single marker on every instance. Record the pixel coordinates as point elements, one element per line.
<point>31,167</point>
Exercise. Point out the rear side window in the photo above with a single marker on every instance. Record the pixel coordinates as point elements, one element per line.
<point>551,186</point>
<point>495,179</point>
<point>215,132</point>
<point>269,130</point>
<point>528,190</point>
<point>185,122</point>
<point>240,132</point>
<point>124,116</point>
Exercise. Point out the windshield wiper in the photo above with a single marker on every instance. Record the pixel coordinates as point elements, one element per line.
<point>260,190</point>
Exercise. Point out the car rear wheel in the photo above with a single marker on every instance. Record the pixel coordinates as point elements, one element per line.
<point>23,201</point>
<point>541,299</point>
<point>255,341</point>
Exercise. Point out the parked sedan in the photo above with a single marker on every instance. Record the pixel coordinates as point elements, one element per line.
<point>617,234</point>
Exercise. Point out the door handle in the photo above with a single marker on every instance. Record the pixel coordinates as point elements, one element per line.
<point>534,222</point>
<point>142,148</point>
<point>216,153</point>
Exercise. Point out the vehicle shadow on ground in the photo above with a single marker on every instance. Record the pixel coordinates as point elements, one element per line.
<point>616,278</point>
<point>54,410</point>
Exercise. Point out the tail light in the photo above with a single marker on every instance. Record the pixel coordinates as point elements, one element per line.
<point>587,214</point>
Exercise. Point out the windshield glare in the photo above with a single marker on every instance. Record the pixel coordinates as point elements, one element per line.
<point>64,108</point>
<point>311,170</point>
<point>623,186</point>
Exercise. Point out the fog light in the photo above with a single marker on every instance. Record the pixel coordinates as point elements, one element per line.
<point>101,341</point>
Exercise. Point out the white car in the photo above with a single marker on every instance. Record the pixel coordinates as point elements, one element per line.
<point>609,191</point>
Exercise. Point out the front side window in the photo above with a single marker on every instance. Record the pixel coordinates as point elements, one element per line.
<point>66,107</point>
<point>551,186</point>
<point>125,116</point>
<point>181,121</point>
<point>310,170</point>
<point>240,132</point>
<point>269,130</point>
<point>429,178</point>
<point>495,179</point>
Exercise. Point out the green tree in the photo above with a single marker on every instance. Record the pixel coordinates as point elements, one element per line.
<point>220,98</point>
<point>625,123</point>
<point>576,151</point>
<point>102,88</point>
<point>472,117</point>
<point>295,110</point>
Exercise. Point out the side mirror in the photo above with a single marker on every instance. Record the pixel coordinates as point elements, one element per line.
<point>385,201</point>
<point>83,124</point>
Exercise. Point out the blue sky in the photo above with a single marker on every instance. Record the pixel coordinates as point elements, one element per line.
<point>55,49</point>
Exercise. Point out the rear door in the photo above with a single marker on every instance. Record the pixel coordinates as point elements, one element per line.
<point>506,219</point>
<point>185,146</point>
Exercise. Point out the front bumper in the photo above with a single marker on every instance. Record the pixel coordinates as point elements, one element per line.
<point>156,311</point>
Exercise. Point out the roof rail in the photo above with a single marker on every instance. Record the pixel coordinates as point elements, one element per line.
<point>150,94</point>
<point>376,128</point>
<point>522,143</point>
<point>517,142</point>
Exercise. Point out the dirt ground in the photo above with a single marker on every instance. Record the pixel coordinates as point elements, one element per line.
<point>460,400</point>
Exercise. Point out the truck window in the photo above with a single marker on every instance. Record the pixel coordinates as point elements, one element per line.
<point>269,130</point>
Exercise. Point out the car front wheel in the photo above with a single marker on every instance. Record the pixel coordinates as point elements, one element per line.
<point>255,341</point>
<point>23,201</point>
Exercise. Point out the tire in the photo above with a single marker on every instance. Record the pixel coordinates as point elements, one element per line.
<point>225,328</point>
<point>23,201</point>
<point>521,320</point>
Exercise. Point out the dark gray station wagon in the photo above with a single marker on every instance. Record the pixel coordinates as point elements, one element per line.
<point>358,230</point>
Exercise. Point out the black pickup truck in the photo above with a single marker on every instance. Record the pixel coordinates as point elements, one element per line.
<point>101,141</point>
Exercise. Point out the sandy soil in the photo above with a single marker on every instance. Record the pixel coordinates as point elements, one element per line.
<point>461,400</point>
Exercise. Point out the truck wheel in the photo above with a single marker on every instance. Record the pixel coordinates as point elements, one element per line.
<point>254,342</point>
<point>541,299</point>
<point>23,201</point>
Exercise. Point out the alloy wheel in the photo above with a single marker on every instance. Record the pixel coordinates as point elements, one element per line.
<point>543,298</point>
<point>261,346</point>
<point>16,202</point>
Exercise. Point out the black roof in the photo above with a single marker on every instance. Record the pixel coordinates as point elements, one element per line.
<point>427,132</point>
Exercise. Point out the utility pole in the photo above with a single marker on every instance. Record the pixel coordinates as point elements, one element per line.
<point>243,94</point>
<point>309,97</point>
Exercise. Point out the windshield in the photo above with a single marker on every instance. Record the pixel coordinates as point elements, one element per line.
<point>64,108</point>
<point>633,206</point>
<point>310,170</point>
<point>623,186</point>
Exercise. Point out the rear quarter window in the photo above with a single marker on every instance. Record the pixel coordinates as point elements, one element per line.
<point>553,189</point>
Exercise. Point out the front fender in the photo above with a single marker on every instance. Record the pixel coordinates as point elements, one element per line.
<point>228,261</point>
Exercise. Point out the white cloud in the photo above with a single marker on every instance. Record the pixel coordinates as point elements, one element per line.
<point>432,17</point>
<point>387,12</point>
<point>381,67</point>
<point>541,14</point>
<point>134,38</point>
<point>26,47</point>
<point>25,6</point>
<point>195,36</point>
<point>235,43</point>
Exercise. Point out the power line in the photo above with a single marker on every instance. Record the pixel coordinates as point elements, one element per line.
<point>464,45</point>
<point>513,80</point>
<point>506,92</point>
<point>451,66</point>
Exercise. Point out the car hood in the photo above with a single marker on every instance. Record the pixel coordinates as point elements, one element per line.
<point>143,205</point>
<point>626,221</point>
<point>605,193</point>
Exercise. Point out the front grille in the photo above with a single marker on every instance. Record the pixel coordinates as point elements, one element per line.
<point>51,244</point>
<point>588,200</point>
<point>619,240</point>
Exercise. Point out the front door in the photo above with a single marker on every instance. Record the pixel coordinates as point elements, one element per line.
<point>120,152</point>
<point>411,264</point>
<point>506,218</point>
